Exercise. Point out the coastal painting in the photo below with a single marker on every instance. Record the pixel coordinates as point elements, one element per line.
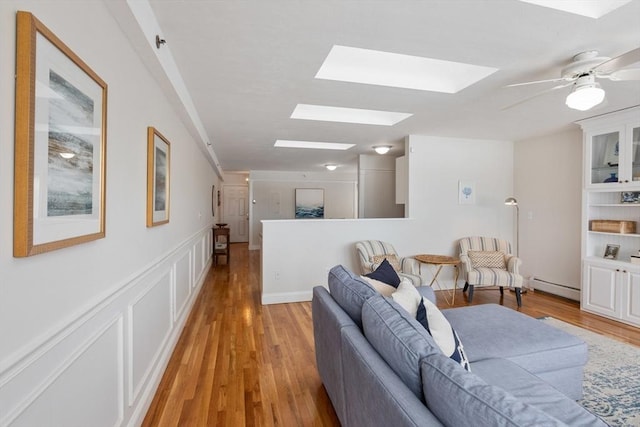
<point>158,177</point>
<point>71,145</point>
<point>60,144</point>
<point>309,203</point>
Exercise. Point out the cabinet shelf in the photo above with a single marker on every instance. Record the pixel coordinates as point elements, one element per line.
<point>615,234</point>
<point>614,205</point>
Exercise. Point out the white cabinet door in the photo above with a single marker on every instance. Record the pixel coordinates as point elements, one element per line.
<point>600,293</point>
<point>631,299</point>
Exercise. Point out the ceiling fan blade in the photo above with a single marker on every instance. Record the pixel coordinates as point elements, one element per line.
<point>536,95</point>
<point>614,64</point>
<point>627,74</point>
<point>536,82</point>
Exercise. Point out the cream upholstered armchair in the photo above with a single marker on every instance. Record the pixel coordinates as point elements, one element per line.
<point>372,252</point>
<point>487,261</point>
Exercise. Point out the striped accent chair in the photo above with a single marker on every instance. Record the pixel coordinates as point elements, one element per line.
<point>371,254</point>
<point>487,261</point>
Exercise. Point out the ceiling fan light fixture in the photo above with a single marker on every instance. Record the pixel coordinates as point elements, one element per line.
<point>585,95</point>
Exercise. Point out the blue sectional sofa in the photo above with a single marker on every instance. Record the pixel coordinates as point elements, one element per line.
<point>381,367</point>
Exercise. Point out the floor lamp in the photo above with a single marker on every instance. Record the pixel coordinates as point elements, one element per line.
<point>511,201</point>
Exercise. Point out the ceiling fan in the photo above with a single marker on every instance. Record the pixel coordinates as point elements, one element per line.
<point>582,73</point>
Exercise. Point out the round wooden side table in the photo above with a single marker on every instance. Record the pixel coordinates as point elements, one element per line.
<point>439,261</point>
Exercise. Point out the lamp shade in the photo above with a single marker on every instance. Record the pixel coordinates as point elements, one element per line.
<point>585,95</point>
<point>510,201</point>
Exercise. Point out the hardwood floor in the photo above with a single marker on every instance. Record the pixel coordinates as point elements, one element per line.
<point>240,363</point>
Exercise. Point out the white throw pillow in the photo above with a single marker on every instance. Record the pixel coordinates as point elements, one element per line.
<point>442,332</point>
<point>379,286</point>
<point>407,296</point>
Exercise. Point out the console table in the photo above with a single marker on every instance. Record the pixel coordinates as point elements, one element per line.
<point>439,261</point>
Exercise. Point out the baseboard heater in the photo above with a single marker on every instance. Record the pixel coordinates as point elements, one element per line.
<point>554,288</point>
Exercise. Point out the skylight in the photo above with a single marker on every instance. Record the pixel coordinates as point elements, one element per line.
<point>312,144</point>
<point>589,8</point>
<point>350,64</point>
<point>347,115</point>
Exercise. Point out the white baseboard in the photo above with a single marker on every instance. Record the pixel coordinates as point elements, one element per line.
<point>285,297</point>
<point>554,288</point>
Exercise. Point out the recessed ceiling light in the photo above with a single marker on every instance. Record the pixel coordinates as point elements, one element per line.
<point>589,8</point>
<point>347,115</point>
<point>350,64</point>
<point>312,144</point>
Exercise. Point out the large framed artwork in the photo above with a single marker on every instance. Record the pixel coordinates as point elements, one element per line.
<point>60,144</point>
<point>158,178</point>
<point>309,203</point>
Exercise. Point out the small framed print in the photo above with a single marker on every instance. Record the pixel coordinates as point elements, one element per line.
<point>611,251</point>
<point>466,193</point>
<point>158,178</point>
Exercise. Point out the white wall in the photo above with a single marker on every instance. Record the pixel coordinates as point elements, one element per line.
<point>548,186</point>
<point>85,331</point>
<point>272,196</point>
<point>297,254</point>
<point>377,187</point>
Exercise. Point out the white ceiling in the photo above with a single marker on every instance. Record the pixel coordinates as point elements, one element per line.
<point>247,64</point>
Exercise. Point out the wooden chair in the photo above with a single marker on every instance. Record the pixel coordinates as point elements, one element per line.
<point>221,244</point>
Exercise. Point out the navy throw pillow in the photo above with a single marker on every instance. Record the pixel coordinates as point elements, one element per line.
<point>386,274</point>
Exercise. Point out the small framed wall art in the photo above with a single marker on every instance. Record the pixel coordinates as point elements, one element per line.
<point>60,144</point>
<point>309,203</point>
<point>158,178</point>
<point>466,193</point>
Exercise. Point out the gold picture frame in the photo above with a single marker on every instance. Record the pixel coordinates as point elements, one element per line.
<point>158,177</point>
<point>60,144</point>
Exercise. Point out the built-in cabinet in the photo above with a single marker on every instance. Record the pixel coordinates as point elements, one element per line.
<point>611,192</point>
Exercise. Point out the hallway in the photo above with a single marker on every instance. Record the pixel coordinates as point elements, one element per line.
<point>240,363</point>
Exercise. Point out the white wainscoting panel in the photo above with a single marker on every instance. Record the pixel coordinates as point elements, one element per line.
<point>149,327</point>
<point>182,284</point>
<point>86,390</point>
<point>103,367</point>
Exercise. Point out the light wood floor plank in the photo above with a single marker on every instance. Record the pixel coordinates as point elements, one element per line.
<point>240,363</point>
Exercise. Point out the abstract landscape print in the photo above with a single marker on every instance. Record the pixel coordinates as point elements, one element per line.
<point>70,180</point>
<point>158,177</point>
<point>309,203</point>
<point>60,144</point>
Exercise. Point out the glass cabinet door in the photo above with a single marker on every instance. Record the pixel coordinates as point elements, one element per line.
<point>605,158</point>
<point>635,154</point>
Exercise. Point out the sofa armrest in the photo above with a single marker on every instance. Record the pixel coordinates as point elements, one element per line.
<point>374,394</point>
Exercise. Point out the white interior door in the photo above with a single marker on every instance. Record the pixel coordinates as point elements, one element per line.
<point>235,211</point>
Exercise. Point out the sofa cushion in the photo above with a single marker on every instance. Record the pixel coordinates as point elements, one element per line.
<point>459,398</point>
<point>399,339</point>
<point>491,329</point>
<point>534,391</point>
<point>386,274</point>
<point>427,292</point>
<point>429,316</point>
<point>349,291</point>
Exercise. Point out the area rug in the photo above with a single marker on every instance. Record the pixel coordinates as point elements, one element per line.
<point>611,376</point>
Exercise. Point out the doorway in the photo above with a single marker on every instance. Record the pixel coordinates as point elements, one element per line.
<point>235,212</point>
